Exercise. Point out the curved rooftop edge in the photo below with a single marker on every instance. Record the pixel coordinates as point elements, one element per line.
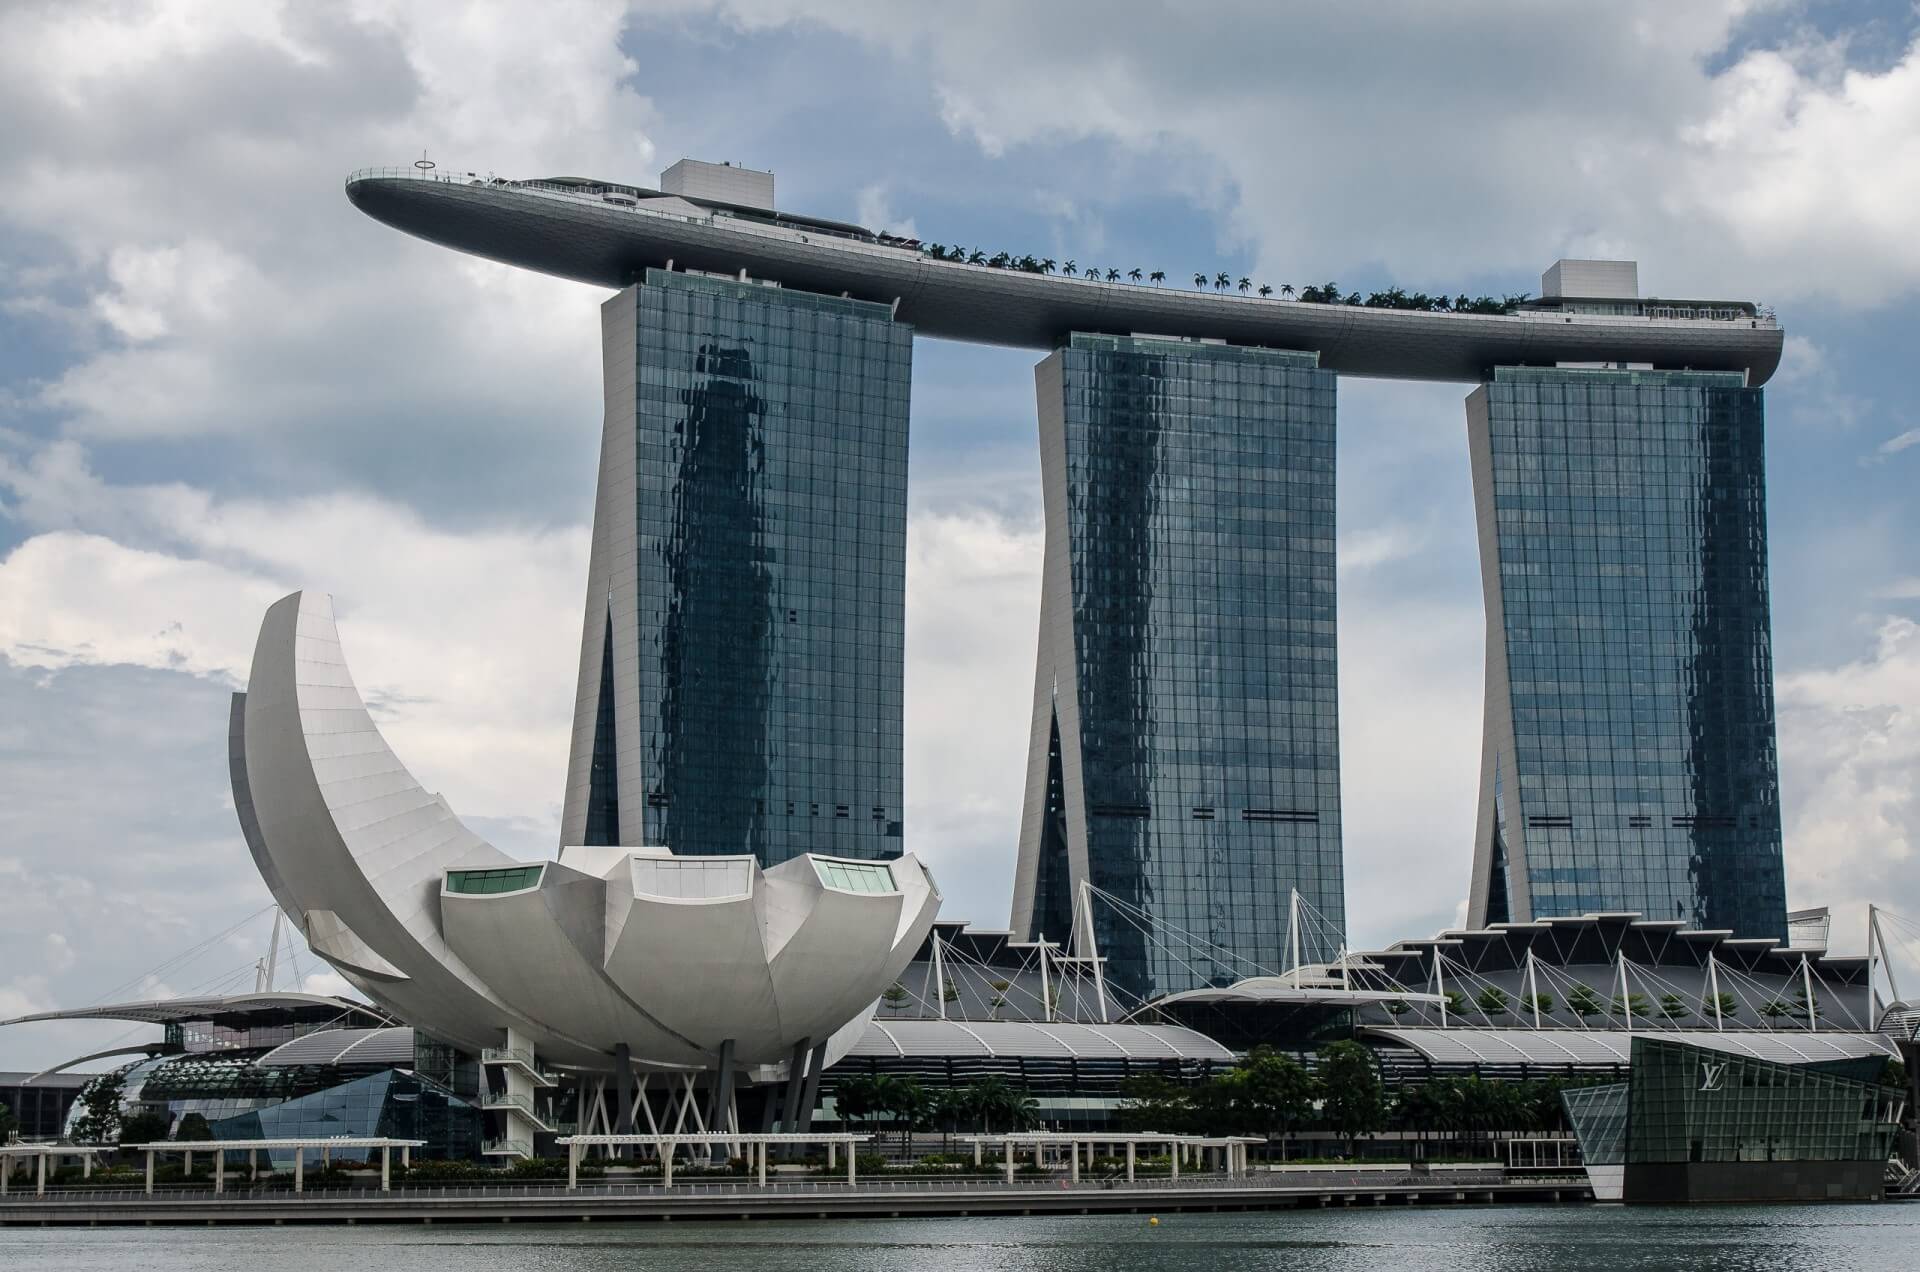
<point>575,232</point>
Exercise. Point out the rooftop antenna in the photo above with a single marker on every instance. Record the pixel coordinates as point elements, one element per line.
<point>423,163</point>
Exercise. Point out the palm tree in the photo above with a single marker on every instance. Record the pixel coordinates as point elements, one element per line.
<point>977,257</point>
<point>1220,281</point>
<point>1046,265</point>
<point>1199,280</point>
<point>1067,269</point>
<point>1158,277</point>
<point>1265,291</point>
<point>1134,273</point>
<point>1245,285</point>
<point>1286,290</point>
<point>1113,275</point>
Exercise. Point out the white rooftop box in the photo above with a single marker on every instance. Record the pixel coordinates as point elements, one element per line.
<point>1596,280</point>
<point>721,182</point>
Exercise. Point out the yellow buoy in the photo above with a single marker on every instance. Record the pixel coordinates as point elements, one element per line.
<point>1153,1221</point>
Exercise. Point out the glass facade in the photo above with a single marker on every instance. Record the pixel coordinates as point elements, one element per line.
<point>1692,1104</point>
<point>771,464</point>
<point>394,1104</point>
<point>1186,754</point>
<point>508,879</point>
<point>1629,760</point>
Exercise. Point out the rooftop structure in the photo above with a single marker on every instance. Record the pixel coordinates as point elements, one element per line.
<point>609,234</point>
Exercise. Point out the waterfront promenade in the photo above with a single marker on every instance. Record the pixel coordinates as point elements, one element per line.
<point>788,1199</point>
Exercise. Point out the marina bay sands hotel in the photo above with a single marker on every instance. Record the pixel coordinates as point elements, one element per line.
<point>741,668</point>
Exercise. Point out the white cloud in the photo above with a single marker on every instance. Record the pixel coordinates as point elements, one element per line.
<point>1894,445</point>
<point>1850,762</point>
<point>873,208</point>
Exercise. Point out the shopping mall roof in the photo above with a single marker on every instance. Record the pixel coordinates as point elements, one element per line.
<point>1559,1048</point>
<point>392,1045</point>
<point>1010,1039</point>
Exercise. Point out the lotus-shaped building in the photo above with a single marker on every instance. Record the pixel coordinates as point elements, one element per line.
<point>607,961</point>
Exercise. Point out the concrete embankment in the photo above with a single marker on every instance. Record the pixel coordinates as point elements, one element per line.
<point>729,1200</point>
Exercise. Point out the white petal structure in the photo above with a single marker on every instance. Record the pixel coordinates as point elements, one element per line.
<point>671,957</point>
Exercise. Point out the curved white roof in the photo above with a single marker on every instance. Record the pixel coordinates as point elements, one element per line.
<point>345,1046</point>
<point>1011,1039</point>
<point>1611,1047</point>
<point>169,1011</point>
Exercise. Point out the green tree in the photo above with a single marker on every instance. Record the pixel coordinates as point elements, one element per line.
<point>1776,1008</point>
<point>895,996</point>
<point>1395,1007</point>
<point>1275,1092</point>
<point>1221,281</point>
<point>1134,274</point>
<point>1634,1003</point>
<point>1265,291</point>
<point>193,1129</point>
<point>99,1120</point>
<point>146,1126</point>
<point>1542,1003</point>
<point>1158,277</point>
<point>1352,1098</point>
<point>999,998</point>
<point>910,1105</point>
<point>1068,269</point>
<point>1456,1003</point>
<point>949,992</point>
<point>1726,1005</point>
<point>1492,1001</point>
<point>1199,280</point>
<point>1673,1007</point>
<point>1583,1002</point>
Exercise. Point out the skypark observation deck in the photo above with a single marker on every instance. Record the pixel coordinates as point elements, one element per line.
<point>608,234</point>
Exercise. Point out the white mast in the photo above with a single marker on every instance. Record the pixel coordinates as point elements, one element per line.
<point>1046,985</point>
<point>1806,988</point>
<point>263,979</point>
<point>1713,986</point>
<point>1440,985</point>
<point>1626,996</point>
<point>939,974</point>
<point>1293,932</point>
<point>1093,949</point>
<point>1533,988</point>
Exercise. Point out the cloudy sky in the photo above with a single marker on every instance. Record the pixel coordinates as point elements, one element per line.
<point>218,383</point>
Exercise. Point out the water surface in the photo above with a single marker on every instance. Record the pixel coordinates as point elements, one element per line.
<point>1493,1239</point>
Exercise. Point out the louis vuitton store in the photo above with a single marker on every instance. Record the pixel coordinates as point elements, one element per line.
<point>1698,1123</point>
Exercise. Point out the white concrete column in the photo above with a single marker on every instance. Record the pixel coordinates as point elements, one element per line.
<point>666,1163</point>
<point>1009,1146</point>
<point>6,1174</point>
<point>406,1156</point>
<point>1173,1156</point>
<point>219,1171</point>
<point>40,1188</point>
<point>188,1169</point>
<point>851,1156</point>
<point>386,1168</point>
<point>832,1159</point>
<point>760,1161</point>
<point>1074,1149</point>
<point>1130,1161</point>
<point>299,1170</point>
<point>573,1167</point>
<point>1039,1154</point>
<point>149,1172</point>
<point>86,1165</point>
<point>977,1145</point>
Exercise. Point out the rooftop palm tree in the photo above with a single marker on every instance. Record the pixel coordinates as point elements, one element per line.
<point>1245,285</point>
<point>1199,280</point>
<point>977,257</point>
<point>1286,290</point>
<point>1046,265</point>
<point>1067,269</point>
<point>1158,277</point>
<point>1265,291</point>
<point>1134,273</point>
<point>1113,275</point>
<point>1220,281</point>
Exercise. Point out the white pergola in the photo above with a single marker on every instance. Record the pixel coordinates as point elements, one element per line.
<point>756,1146</point>
<point>10,1153</point>
<point>300,1147</point>
<point>1228,1151</point>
